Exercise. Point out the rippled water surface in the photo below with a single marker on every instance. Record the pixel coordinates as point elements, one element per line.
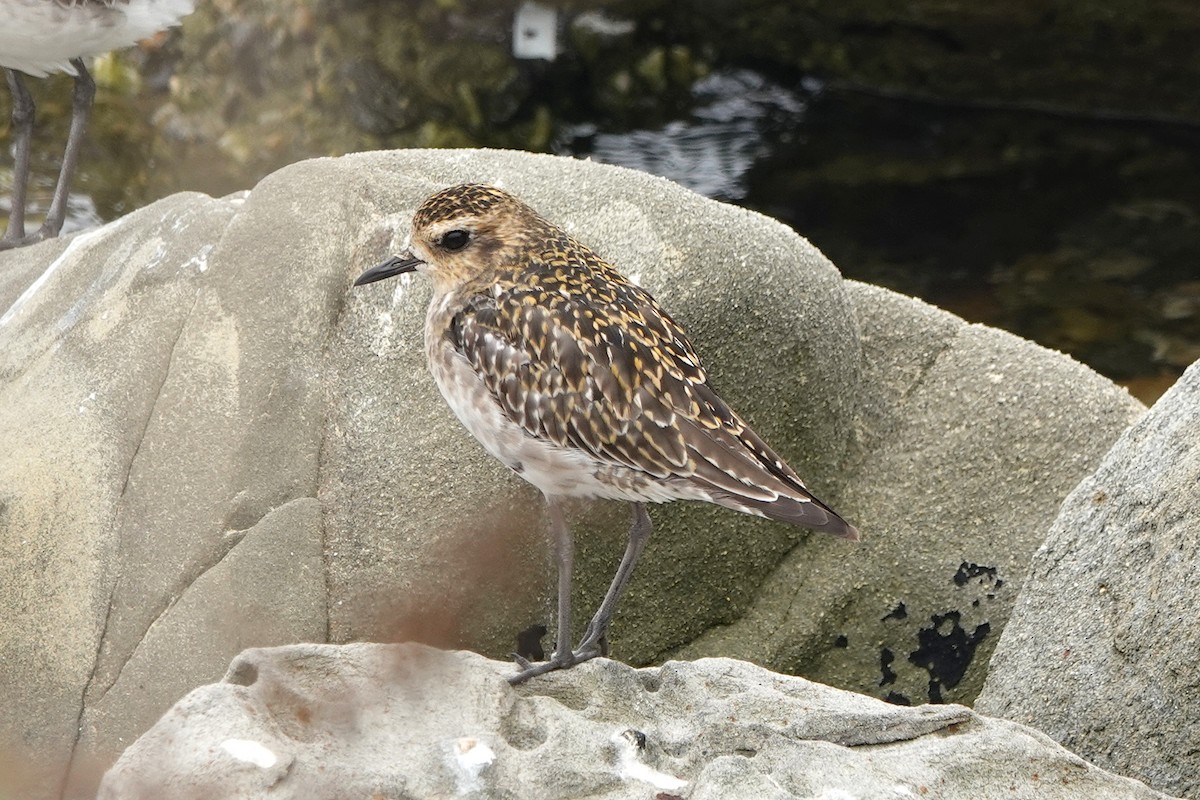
<point>713,149</point>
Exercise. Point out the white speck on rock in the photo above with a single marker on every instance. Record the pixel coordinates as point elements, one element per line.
<point>470,758</point>
<point>473,754</point>
<point>386,326</point>
<point>400,291</point>
<point>631,767</point>
<point>381,342</point>
<point>91,398</point>
<point>250,751</point>
<point>200,260</point>
<point>160,251</point>
<point>835,794</point>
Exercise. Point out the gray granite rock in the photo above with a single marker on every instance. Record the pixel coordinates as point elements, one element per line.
<point>966,438</point>
<point>87,337</point>
<point>322,721</point>
<point>193,398</point>
<point>1101,651</point>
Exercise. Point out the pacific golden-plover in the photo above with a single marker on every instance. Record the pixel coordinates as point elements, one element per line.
<point>38,37</point>
<point>581,383</point>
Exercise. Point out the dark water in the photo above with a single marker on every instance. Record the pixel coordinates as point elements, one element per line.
<point>714,149</point>
<point>1082,234</point>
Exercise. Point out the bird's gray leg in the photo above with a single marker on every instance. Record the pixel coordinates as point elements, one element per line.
<point>639,534</point>
<point>81,107</point>
<point>564,556</point>
<point>590,647</point>
<point>22,122</point>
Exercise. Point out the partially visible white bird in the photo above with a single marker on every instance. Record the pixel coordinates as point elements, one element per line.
<point>38,37</point>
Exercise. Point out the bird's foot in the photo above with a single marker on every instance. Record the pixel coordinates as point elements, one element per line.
<point>527,669</point>
<point>11,242</point>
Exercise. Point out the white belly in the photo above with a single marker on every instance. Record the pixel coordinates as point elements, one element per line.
<point>556,471</point>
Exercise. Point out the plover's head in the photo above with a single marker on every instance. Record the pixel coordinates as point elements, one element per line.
<point>460,234</point>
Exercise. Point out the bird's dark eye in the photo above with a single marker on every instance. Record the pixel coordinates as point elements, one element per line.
<point>454,240</point>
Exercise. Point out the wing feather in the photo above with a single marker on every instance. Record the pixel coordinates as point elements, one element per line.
<point>602,368</point>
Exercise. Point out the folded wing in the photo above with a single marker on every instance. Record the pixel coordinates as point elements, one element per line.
<point>607,371</point>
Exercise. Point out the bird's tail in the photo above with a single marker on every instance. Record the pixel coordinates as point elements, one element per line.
<point>733,467</point>
<point>808,513</point>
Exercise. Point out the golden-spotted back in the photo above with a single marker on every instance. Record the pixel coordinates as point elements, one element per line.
<point>595,377</point>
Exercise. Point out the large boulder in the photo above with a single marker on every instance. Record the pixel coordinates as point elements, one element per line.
<point>965,439</point>
<point>316,721</point>
<point>212,442</point>
<point>1101,651</point>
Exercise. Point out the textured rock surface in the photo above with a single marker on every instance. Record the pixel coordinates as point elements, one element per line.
<point>1101,650</point>
<point>314,721</point>
<point>965,438</point>
<point>192,399</point>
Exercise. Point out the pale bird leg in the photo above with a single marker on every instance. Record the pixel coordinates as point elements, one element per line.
<point>81,107</point>
<point>22,122</point>
<point>23,111</point>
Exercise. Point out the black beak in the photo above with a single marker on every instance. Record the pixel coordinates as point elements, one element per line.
<point>393,266</point>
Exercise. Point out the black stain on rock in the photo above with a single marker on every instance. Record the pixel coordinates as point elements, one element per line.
<point>886,657</point>
<point>945,651</point>
<point>982,575</point>
<point>899,612</point>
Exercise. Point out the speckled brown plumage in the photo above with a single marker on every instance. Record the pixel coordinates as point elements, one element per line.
<point>574,376</point>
